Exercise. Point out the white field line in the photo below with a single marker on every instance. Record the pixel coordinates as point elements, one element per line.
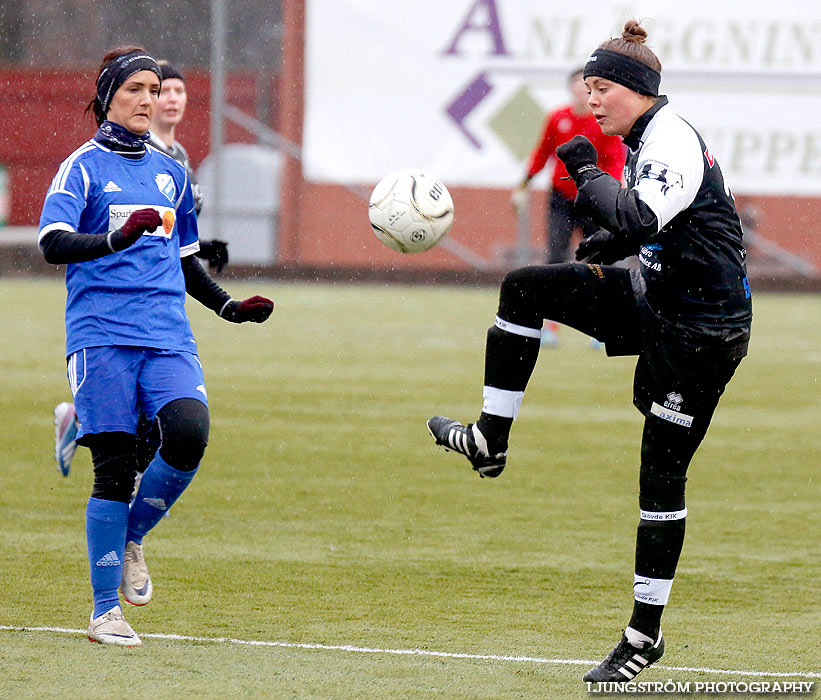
<point>418,652</point>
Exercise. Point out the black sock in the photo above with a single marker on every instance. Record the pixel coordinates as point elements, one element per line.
<point>496,430</point>
<point>658,546</point>
<point>509,362</point>
<point>647,619</point>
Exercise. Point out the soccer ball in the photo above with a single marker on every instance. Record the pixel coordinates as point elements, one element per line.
<point>410,211</point>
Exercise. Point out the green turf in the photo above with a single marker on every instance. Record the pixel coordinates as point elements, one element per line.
<point>322,513</point>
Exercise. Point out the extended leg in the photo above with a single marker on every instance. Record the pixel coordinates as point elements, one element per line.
<point>586,297</point>
<point>590,298</point>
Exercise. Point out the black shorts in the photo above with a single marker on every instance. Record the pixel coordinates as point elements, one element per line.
<point>677,380</point>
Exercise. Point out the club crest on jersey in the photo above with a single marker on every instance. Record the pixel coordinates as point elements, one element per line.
<point>654,170</point>
<point>165,184</point>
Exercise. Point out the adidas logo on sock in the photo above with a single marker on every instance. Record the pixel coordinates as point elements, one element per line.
<point>110,559</point>
<point>158,503</point>
<point>111,187</point>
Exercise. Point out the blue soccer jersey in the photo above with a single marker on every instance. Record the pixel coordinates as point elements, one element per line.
<point>136,296</point>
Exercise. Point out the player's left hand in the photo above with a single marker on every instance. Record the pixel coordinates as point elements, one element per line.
<point>578,155</point>
<point>255,309</point>
<point>603,248</point>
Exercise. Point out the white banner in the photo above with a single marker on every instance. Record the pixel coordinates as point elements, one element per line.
<point>461,87</point>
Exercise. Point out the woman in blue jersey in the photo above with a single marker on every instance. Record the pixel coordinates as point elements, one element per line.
<point>171,107</point>
<point>120,215</point>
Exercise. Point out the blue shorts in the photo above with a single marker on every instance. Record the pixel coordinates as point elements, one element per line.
<point>113,384</point>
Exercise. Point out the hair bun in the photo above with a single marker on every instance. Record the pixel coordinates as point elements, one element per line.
<point>634,32</point>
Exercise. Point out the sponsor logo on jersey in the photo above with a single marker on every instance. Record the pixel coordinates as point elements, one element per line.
<point>118,214</point>
<point>655,170</point>
<point>646,257</point>
<point>671,416</point>
<point>111,187</point>
<point>168,222</point>
<point>709,156</point>
<point>165,184</point>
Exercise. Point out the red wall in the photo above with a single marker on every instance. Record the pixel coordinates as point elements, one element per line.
<point>43,121</point>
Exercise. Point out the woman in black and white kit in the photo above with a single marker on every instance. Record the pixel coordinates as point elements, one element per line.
<point>685,312</point>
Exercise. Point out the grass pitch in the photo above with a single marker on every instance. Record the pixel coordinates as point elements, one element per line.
<point>323,515</point>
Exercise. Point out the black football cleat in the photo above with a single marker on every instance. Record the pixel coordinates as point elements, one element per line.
<point>626,661</point>
<point>452,435</point>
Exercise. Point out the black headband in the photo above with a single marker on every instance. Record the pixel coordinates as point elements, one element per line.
<point>624,70</point>
<point>168,71</point>
<point>120,70</point>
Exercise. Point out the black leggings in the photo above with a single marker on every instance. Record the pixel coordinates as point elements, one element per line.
<point>595,300</point>
<point>600,302</point>
<point>184,425</point>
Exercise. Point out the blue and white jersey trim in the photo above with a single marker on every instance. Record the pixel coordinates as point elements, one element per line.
<point>60,226</point>
<point>58,184</point>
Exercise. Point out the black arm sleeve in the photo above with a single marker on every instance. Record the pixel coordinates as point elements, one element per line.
<point>200,285</point>
<point>619,210</point>
<point>62,247</point>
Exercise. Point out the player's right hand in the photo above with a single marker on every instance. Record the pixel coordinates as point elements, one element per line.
<point>519,197</point>
<point>135,226</point>
<point>578,155</point>
<point>256,309</point>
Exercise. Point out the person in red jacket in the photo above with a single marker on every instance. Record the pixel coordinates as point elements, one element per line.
<point>560,126</point>
<point>562,219</point>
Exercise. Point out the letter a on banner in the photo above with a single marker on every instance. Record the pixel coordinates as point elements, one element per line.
<point>492,26</point>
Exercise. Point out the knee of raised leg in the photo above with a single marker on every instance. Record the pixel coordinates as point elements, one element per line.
<point>516,283</point>
<point>184,425</point>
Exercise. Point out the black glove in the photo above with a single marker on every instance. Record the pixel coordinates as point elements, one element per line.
<point>135,226</point>
<point>256,309</point>
<point>605,248</point>
<point>215,252</point>
<point>578,155</point>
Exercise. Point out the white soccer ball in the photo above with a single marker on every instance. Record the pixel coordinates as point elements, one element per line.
<point>410,211</point>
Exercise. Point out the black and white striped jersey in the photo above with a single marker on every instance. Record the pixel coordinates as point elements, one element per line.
<point>693,272</point>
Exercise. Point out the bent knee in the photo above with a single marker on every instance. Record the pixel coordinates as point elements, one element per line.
<point>184,426</point>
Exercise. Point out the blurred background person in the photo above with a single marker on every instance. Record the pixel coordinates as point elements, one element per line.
<point>560,126</point>
<point>170,111</point>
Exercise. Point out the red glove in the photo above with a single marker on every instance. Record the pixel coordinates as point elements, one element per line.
<point>256,309</point>
<point>135,226</point>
